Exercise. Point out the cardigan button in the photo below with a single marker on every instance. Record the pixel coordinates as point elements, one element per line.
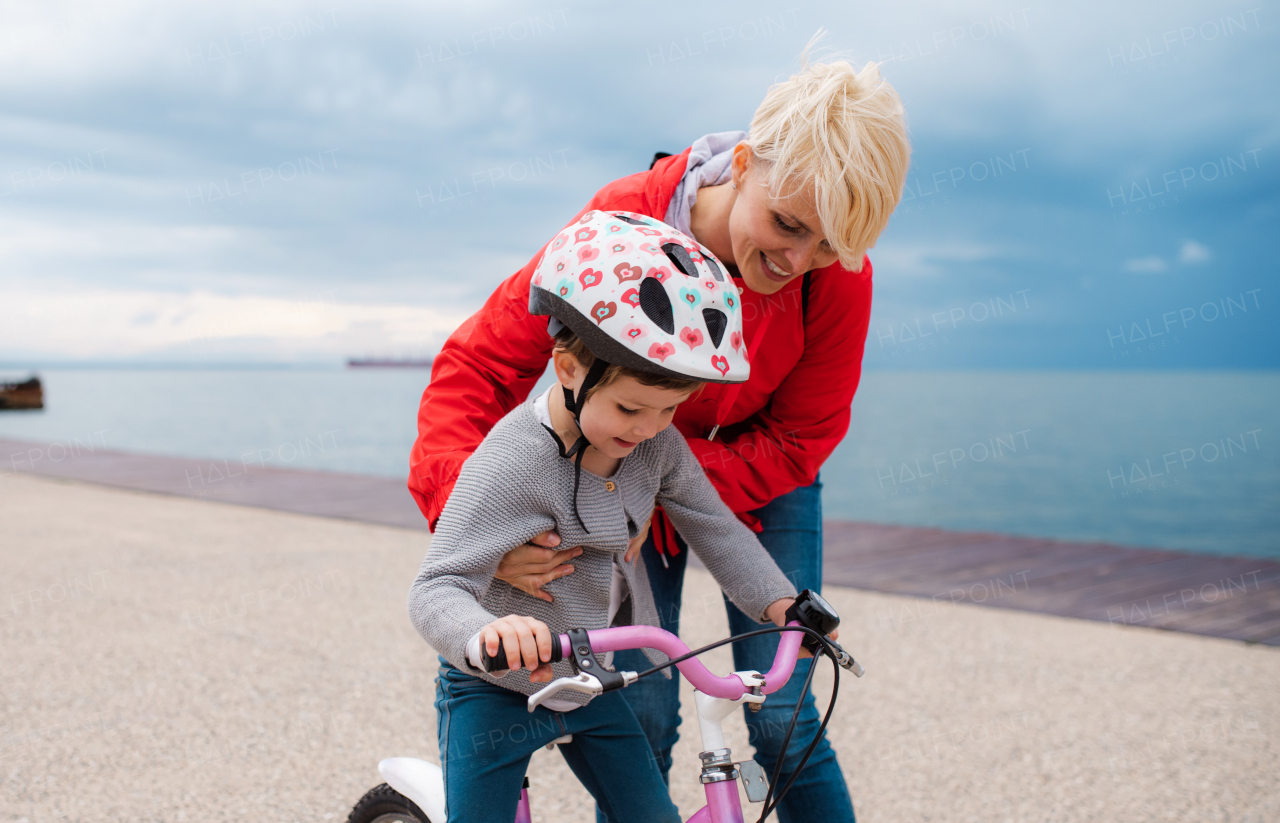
<point>609,485</point>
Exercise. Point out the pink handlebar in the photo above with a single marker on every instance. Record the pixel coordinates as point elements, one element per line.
<point>622,638</point>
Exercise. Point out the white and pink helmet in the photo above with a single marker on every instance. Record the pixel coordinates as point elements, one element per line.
<point>643,295</point>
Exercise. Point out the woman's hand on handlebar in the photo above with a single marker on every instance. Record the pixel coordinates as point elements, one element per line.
<point>777,612</point>
<point>533,565</point>
<point>526,642</point>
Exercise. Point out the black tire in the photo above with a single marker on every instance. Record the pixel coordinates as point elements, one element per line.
<point>383,804</point>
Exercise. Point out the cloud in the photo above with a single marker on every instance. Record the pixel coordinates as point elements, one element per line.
<point>415,122</point>
<point>924,260</point>
<point>1192,253</point>
<point>1146,265</point>
<point>102,324</point>
<point>31,245</point>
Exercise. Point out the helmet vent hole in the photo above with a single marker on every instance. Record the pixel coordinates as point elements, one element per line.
<point>656,304</point>
<point>627,219</point>
<point>716,323</point>
<point>711,264</point>
<point>679,258</point>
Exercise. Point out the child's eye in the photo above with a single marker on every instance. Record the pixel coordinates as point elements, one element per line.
<point>627,411</point>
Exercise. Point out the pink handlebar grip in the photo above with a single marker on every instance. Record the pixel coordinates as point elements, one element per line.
<point>622,638</point>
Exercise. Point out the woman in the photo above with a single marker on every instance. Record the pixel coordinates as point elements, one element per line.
<point>791,208</point>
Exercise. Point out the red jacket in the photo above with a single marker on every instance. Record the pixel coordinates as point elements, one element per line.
<point>784,423</point>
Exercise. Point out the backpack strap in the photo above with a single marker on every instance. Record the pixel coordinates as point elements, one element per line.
<point>804,296</point>
<point>658,157</point>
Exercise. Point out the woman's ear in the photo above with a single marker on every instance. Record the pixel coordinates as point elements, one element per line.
<point>740,164</point>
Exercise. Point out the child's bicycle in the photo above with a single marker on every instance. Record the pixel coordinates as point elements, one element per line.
<point>414,791</point>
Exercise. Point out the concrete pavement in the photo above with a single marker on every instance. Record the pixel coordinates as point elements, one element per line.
<point>185,660</point>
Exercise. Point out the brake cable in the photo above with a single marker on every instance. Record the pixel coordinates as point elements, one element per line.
<point>813,744</point>
<point>719,643</point>
<point>770,801</point>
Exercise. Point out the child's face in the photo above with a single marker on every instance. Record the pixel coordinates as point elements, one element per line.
<point>620,416</point>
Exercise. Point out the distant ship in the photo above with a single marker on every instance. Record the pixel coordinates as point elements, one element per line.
<point>388,363</point>
<point>28,394</point>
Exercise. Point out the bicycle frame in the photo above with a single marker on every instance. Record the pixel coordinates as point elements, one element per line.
<point>716,698</point>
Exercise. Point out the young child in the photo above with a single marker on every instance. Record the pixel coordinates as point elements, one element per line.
<point>642,316</point>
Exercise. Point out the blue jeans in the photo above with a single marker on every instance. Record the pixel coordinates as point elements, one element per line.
<point>487,736</point>
<point>793,537</point>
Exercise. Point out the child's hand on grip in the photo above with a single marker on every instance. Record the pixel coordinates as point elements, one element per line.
<point>526,641</point>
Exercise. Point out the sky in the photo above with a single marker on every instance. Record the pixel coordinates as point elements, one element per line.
<point>1093,185</point>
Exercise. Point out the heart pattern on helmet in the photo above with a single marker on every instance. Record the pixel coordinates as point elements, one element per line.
<point>675,320</point>
<point>602,311</point>
<point>626,271</point>
<point>589,278</point>
<point>661,351</point>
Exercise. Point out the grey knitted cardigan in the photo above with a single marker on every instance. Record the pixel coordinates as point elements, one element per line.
<point>516,486</point>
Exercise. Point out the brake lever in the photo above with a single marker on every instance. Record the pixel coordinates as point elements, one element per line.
<point>584,683</point>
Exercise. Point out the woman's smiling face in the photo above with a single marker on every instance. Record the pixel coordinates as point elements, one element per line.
<point>774,239</point>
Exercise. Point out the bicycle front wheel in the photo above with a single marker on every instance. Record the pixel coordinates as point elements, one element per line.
<point>383,804</point>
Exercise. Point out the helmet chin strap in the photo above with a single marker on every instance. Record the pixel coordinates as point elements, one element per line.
<point>579,448</point>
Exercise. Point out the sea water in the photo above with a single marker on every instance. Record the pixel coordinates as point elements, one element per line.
<point>1184,460</point>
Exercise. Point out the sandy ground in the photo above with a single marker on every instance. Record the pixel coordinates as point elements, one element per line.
<point>169,660</point>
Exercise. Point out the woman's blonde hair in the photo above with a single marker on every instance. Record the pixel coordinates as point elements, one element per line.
<point>845,133</point>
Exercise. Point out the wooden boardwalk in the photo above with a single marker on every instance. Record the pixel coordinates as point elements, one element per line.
<point>327,494</point>
<point>1230,597</point>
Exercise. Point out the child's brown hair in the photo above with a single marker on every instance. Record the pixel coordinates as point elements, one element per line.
<point>570,343</point>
